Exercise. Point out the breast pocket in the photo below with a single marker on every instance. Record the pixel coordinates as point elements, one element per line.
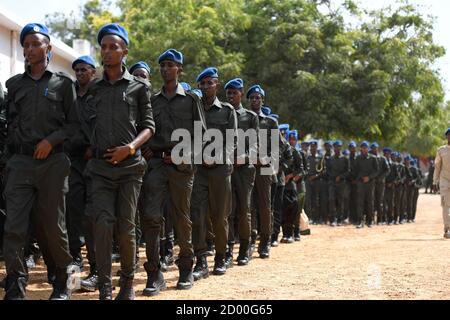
<point>183,119</point>
<point>55,106</point>
<point>132,103</point>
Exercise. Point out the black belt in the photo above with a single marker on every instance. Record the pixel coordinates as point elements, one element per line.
<point>161,154</point>
<point>99,154</point>
<point>28,150</point>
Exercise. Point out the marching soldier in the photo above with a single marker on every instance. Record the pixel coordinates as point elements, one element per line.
<point>412,180</point>
<point>353,195</point>
<point>399,189</point>
<point>173,109</point>
<point>41,116</point>
<point>243,177</point>
<point>389,200</point>
<point>338,169</point>
<point>366,171</point>
<point>380,184</point>
<point>261,198</point>
<point>211,196</point>
<point>316,170</point>
<point>123,123</point>
<point>79,220</point>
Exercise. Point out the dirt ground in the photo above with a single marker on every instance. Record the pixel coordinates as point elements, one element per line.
<point>410,261</point>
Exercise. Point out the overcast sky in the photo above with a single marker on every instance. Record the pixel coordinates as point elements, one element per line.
<point>36,10</point>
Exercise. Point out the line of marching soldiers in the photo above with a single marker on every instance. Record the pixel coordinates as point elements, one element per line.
<point>90,164</point>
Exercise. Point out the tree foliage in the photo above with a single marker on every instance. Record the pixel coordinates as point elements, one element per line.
<point>373,80</point>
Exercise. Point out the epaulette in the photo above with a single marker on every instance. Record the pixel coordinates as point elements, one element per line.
<point>251,112</point>
<point>226,104</point>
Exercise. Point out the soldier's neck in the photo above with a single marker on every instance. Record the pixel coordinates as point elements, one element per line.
<point>210,101</point>
<point>36,71</point>
<point>170,88</point>
<point>114,73</point>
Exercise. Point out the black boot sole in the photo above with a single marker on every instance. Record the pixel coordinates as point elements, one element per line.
<point>147,293</point>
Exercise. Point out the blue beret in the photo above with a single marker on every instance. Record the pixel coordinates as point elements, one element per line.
<point>313,142</point>
<point>338,143</point>
<point>84,59</point>
<point>114,29</point>
<point>140,65</point>
<point>237,83</point>
<point>293,133</point>
<point>408,158</point>
<point>374,145</point>
<point>33,28</point>
<point>387,150</point>
<point>346,152</point>
<point>352,144</point>
<point>305,143</point>
<point>447,132</point>
<point>255,88</point>
<point>171,55</point>
<point>186,86</point>
<point>284,126</point>
<point>208,73</point>
<point>198,92</point>
<point>273,115</point>
<point>329,142</point>
<point>266,110</point>
<point>413,162</point>
<point>364,144</point>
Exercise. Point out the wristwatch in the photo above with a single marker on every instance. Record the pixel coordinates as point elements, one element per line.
<point>132,151</point>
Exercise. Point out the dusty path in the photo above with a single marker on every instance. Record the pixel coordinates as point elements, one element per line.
<point>410,261</point>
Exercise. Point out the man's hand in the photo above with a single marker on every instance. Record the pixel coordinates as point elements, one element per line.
<point>43,150</point>
<point>434,188</point>
<point>312,178</point>
<point>366,179</point>
<point>288,178</point>
<point>338,179</point>
<point>117,155</point>
<point>297,178</point>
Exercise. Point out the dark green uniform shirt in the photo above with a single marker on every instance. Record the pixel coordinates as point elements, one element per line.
<point>338,166</point>
<point>316,165</point>
<point>366,166</point>
<point>123,109</point>
<point>383,168</point>
<point>221,116</point>
<point>393,172</point>
<point>41,109</point>
<point>177,112</point>
<point>247,120</point>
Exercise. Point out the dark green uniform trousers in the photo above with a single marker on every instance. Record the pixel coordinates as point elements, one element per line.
<point>379,199</point>
<point>336,197</point>
<point>398,194</point>
<point>353,205</point>
<point>262,204</point>
<point>76,205</point>
<point>365,201</point>
<point>301,195</point>
<point>242,181</point>
<point>388,207</point>
<point>313,199</point>
<point>409,198</point>
<point>211,197</point>
<point>161,181</point>
<point>115,192</point>
<point>36,189</point>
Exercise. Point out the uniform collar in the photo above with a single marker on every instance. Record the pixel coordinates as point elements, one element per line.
<point>240,109</point>
<point>216,103</point>
<point>179,91</point>
<point>125,76</point>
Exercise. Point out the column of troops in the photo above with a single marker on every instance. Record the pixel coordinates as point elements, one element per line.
<point>89,164</point>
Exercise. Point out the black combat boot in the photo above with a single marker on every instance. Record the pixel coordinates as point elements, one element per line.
<point>219,265</point>
<point>243,258</point>
<point>263,248</point>
<point>60,287</point>
<point>155,281</point>
<point>126,291</point>
<point>15,288</point>
<point>90,284</point>
<point>77,260</point>
<point>210,252</point>
<point>201,268</point>
<point>274,240</point>
<point>105,290</point>
<point>186,280</point>
<point>229,256</point>
<point>297,234</point>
